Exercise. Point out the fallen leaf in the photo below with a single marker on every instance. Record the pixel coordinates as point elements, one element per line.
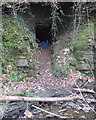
<point>28,114</point>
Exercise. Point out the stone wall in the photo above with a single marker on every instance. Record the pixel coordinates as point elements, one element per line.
<point>83,48</point>
<point>36,14</point>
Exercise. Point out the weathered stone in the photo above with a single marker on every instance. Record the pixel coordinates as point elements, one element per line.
<point>83,48</point>
<point>73,105</point>
<point>85,67</point>
<point>22,63</point>
<point>86,109</point>
<point>88,52</point>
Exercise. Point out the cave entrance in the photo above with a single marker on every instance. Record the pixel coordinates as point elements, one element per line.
<point>43,33</point>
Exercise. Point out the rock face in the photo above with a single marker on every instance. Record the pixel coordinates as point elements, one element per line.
<point>83,48</point>
<point>86,61</point>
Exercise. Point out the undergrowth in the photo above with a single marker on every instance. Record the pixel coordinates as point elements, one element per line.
<point>57,70</point>
<point>16,42</point>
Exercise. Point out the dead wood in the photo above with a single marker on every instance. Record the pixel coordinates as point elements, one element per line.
<point>48,112</point>
<point>85,90</point>
<point>51,99</point>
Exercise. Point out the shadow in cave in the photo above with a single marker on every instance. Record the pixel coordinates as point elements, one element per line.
<point>43,34</point>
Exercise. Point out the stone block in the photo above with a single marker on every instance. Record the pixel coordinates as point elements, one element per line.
<point>22,63</point>
<point>85,67</point>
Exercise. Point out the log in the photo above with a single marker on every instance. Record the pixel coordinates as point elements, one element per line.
<point>44,99</point>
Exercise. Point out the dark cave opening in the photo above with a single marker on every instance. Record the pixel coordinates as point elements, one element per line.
<point>43,33</point>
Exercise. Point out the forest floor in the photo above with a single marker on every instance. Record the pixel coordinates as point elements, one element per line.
<point>45,84</point>
<point>45,81</point>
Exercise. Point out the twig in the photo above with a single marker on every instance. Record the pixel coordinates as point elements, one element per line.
<point>90,100</point>
<point>83,96</point>
<point>48,112</point>
<point>84,99</point>
<point>84,90</point>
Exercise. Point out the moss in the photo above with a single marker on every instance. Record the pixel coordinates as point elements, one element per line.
<point>18,94</point>
<point>22,57</point>
<point>81,40</point>
<point>73,63</point>
<point>59,71</point>
<point>16,45</point>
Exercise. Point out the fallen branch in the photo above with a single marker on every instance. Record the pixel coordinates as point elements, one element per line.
<point>51,99</point>
<point>85,90</point>
<point>85,99</point>
<point>48,112</point>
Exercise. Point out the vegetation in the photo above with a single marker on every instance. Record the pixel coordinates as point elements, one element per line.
<point>3,106</point>
<point>16,42</point>
<point>82,38</point>
<point>19,43</point>
<point>57,70</point>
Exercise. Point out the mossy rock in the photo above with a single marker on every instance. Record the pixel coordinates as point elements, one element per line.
<point>18,94</point>
<point>21,57</point>
<point>83,45</point>
<point>81,39</point>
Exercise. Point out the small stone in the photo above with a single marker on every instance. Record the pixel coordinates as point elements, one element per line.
<point>22,63</point>
<point>86,109</point>
<point>76,112</point>
<point>58,57</point>
<point>83,116</point>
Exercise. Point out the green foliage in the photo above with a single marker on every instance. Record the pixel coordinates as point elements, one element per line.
<point>3,106</point>
<point>72,63</point>
<point>87,73</point>
<point>16,34</point>
<point>81,39</point>
<point>28,35</point>
<point>22,57</point>
<point>16,40</point>
<point>30,93</point>
<point>12,37</point>
<point>57,70</point>
<point>17,75</point>
<point>14,76</point>
<point>18,94</point>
